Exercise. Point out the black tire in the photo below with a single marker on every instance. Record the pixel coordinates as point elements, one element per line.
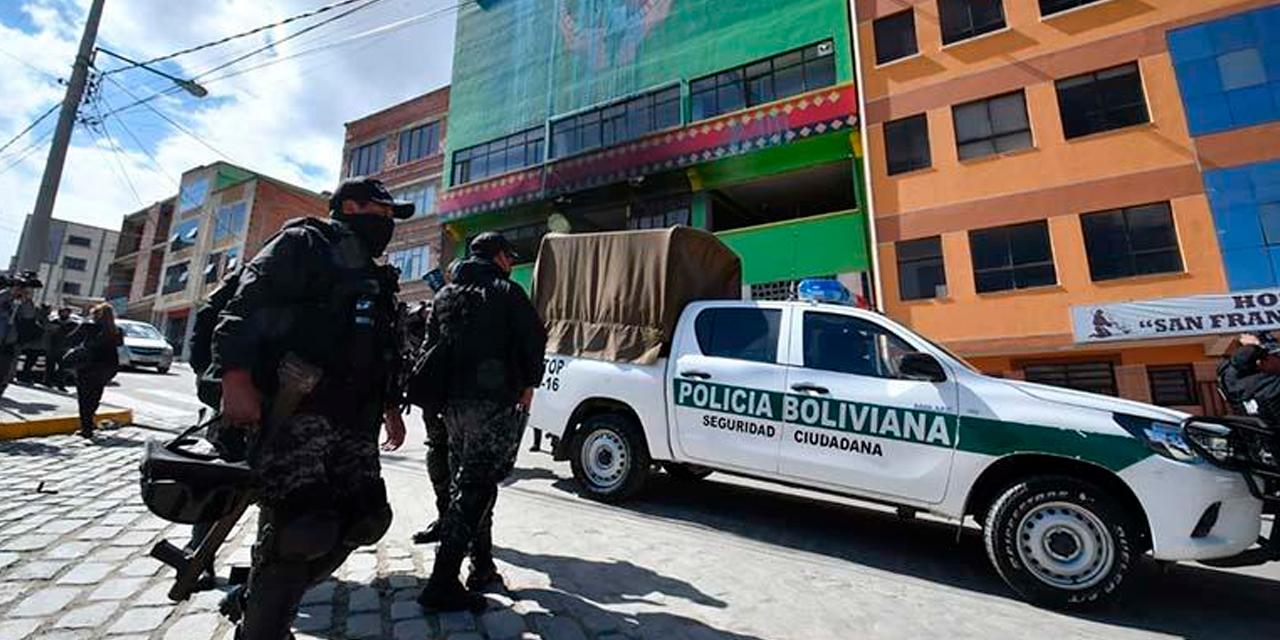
<point>162,370</point>
<point>621,462</point>
<point>1045,515</point>
<point>686,472</point>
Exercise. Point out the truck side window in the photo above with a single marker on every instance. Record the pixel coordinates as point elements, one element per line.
<point>848,345</point>
<point>741,334</point>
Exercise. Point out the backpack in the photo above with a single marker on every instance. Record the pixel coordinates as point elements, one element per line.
<point>201,356</point>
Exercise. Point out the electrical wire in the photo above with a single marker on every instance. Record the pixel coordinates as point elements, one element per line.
<point>167,119</point>
<point>21,156</point>
<point>237,36</point>
<point>141,147</point>
<point>116,150</point>
<point>44,72</point>
<point>30,127</point>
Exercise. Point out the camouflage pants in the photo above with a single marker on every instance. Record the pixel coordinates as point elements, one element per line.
<point>310,459</point>
<point>483,441</point>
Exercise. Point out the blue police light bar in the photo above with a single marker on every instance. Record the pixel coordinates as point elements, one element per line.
<point>828,291</point>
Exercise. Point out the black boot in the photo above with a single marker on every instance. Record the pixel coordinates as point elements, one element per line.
<point>429,535</point>
<point>484,576</point>
<point>232,605</point>
<point>443,591</point>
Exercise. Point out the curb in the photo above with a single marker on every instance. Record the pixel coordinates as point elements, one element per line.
<point>58,425</point>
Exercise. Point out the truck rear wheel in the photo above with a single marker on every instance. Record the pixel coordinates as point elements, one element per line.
<point>610,458</point>
<point>1061,543</point>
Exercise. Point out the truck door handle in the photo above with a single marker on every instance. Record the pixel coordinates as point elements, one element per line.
<point>803,387</point>
<point>697,375</point>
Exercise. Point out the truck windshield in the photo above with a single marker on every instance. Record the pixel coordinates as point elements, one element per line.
<point>961,361</point>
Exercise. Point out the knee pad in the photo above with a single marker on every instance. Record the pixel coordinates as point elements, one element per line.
<point>369,515</point>
<point>308,536</point>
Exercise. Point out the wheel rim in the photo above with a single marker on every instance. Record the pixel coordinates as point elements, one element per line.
<point>1065,546</point>
<point>605,459</point>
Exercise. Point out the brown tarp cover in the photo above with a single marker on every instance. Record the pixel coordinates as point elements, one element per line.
<point>617,296</point>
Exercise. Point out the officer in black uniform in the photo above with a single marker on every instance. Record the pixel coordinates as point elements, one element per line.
<point>315,293</point>
<point>1250,378</point>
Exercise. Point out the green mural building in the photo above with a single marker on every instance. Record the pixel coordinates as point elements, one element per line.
<point>601,115</point>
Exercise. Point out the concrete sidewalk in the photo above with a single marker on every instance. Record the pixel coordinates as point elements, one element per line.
<point>28,411</point>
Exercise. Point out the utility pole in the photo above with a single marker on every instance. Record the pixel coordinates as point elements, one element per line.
<point>33,252</point>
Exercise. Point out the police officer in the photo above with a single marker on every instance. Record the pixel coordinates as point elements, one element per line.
<point>314,293</point>
<point>495,344</point>
<point>1250,378</point>
<point>437,449</point>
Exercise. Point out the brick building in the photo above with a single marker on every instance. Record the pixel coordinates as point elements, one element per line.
<point>174,253</point>
<point>402,146</point>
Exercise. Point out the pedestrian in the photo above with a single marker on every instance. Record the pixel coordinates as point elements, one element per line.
<point>493,344</point>
<point>100,340</point>
<point>315,294</point>
<point>437,457</point>
<point>56,337</point>
<point>15,304</point>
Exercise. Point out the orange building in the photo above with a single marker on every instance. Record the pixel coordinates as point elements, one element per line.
<point>1030,156</point>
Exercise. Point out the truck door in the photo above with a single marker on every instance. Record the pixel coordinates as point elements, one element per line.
<point>726,381</point>
<point>853,422</point>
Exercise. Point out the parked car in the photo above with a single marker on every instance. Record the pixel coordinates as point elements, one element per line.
<point>144,346</point>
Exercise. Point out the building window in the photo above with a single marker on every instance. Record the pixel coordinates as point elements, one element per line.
<point>964,19</point>
<point>1173,386</point>
<point>229,221</point>
<point>921,272</point>
<point>525,239</point>
<point>758,83</point>
<point>175,278</point>
<point>616,123</point>
<point>413,263</point>
<point>1015,257</point>
<point>211,269</point>
<point>906,144</point>
<point>1050,7</point>
<point>1093,377</point>
<point>739,334</point>
<point>524,149</point>
<point>423,197</point>
<point>1229,70</point>
<point>79,241</point>
<point>71,288</point>
<point>419,142</point>
<point>656,220</point>
<point>1131,242</point>
<point>74,264</point>
<point>1102,101</point>
<point>193,194</point>
<point>895,37</point>
<point>366,160</point>
<point>184,235</point>
<point>991,126</point>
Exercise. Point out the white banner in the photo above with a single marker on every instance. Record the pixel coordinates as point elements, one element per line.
<point>1228,313</point>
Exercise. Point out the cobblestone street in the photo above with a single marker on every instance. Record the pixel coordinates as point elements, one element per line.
<point>724,558</point>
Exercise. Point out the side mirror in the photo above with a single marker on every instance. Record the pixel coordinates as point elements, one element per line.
<point>921,366</point>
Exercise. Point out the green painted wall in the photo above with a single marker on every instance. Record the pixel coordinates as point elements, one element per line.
<point>825,245</point>
<point>518,63</point>
<point>798,155</point>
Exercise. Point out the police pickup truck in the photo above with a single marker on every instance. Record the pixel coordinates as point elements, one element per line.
<point>1070,488</point>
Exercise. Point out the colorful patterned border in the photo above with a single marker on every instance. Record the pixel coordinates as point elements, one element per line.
<point>777,124</point>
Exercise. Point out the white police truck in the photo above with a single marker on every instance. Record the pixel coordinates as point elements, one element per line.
<point>1070,488</point>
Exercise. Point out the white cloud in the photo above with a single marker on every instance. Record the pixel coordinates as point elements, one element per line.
<point>285,120</point>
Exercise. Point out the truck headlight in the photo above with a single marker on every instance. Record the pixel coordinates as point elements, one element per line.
<point>1165,438</point>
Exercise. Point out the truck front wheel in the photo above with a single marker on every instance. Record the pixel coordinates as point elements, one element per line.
<point>1060,542</point>
<point>609,457</point>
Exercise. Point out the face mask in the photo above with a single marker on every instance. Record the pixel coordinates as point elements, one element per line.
<point>374,231</point>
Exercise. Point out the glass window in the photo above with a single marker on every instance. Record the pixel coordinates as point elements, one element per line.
<point>74,264</point>
<point>419,142</point>
<point>1131,242</point>
<point>617,123</point>
<point>964,19</point>
<point>1102,101</point>
<point>175,278</point>
<point>211,268</point>
<point>1269,215</point>
<point>844,344</point>
<point>71,288</point>
<point>740,334</point>
<point>1050,7</point>
<point>1093,377</point>
<point>79,241</point>
<point>991,126</point>
<point>896,36</point>
<point>366,160</point>
<point>906,144</point>
<point>413,263</point>
<point>500,156</point>
<point>1014,257</point>
<point>423,197</point>
<point>229,221</point>
<point>1173,386</point>
<point>184,235</point>
<point>1241,69</point>
<point>193,195</point>
<point>921,272</point>
<point>764,81</point>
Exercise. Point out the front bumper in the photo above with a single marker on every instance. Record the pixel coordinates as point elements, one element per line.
<point>1176,497</point>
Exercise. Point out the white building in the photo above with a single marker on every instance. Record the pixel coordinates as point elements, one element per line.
<point>76,263</point>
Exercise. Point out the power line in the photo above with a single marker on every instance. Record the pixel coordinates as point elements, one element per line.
<point>21,156</point>
<point>30,127</point>
<point>141,147</point>
<point>243,34</point>
<point>117,152</point>
<point>44,72</point>
<point>166,118</point>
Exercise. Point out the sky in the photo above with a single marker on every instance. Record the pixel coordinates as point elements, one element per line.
<point>284,120</point>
